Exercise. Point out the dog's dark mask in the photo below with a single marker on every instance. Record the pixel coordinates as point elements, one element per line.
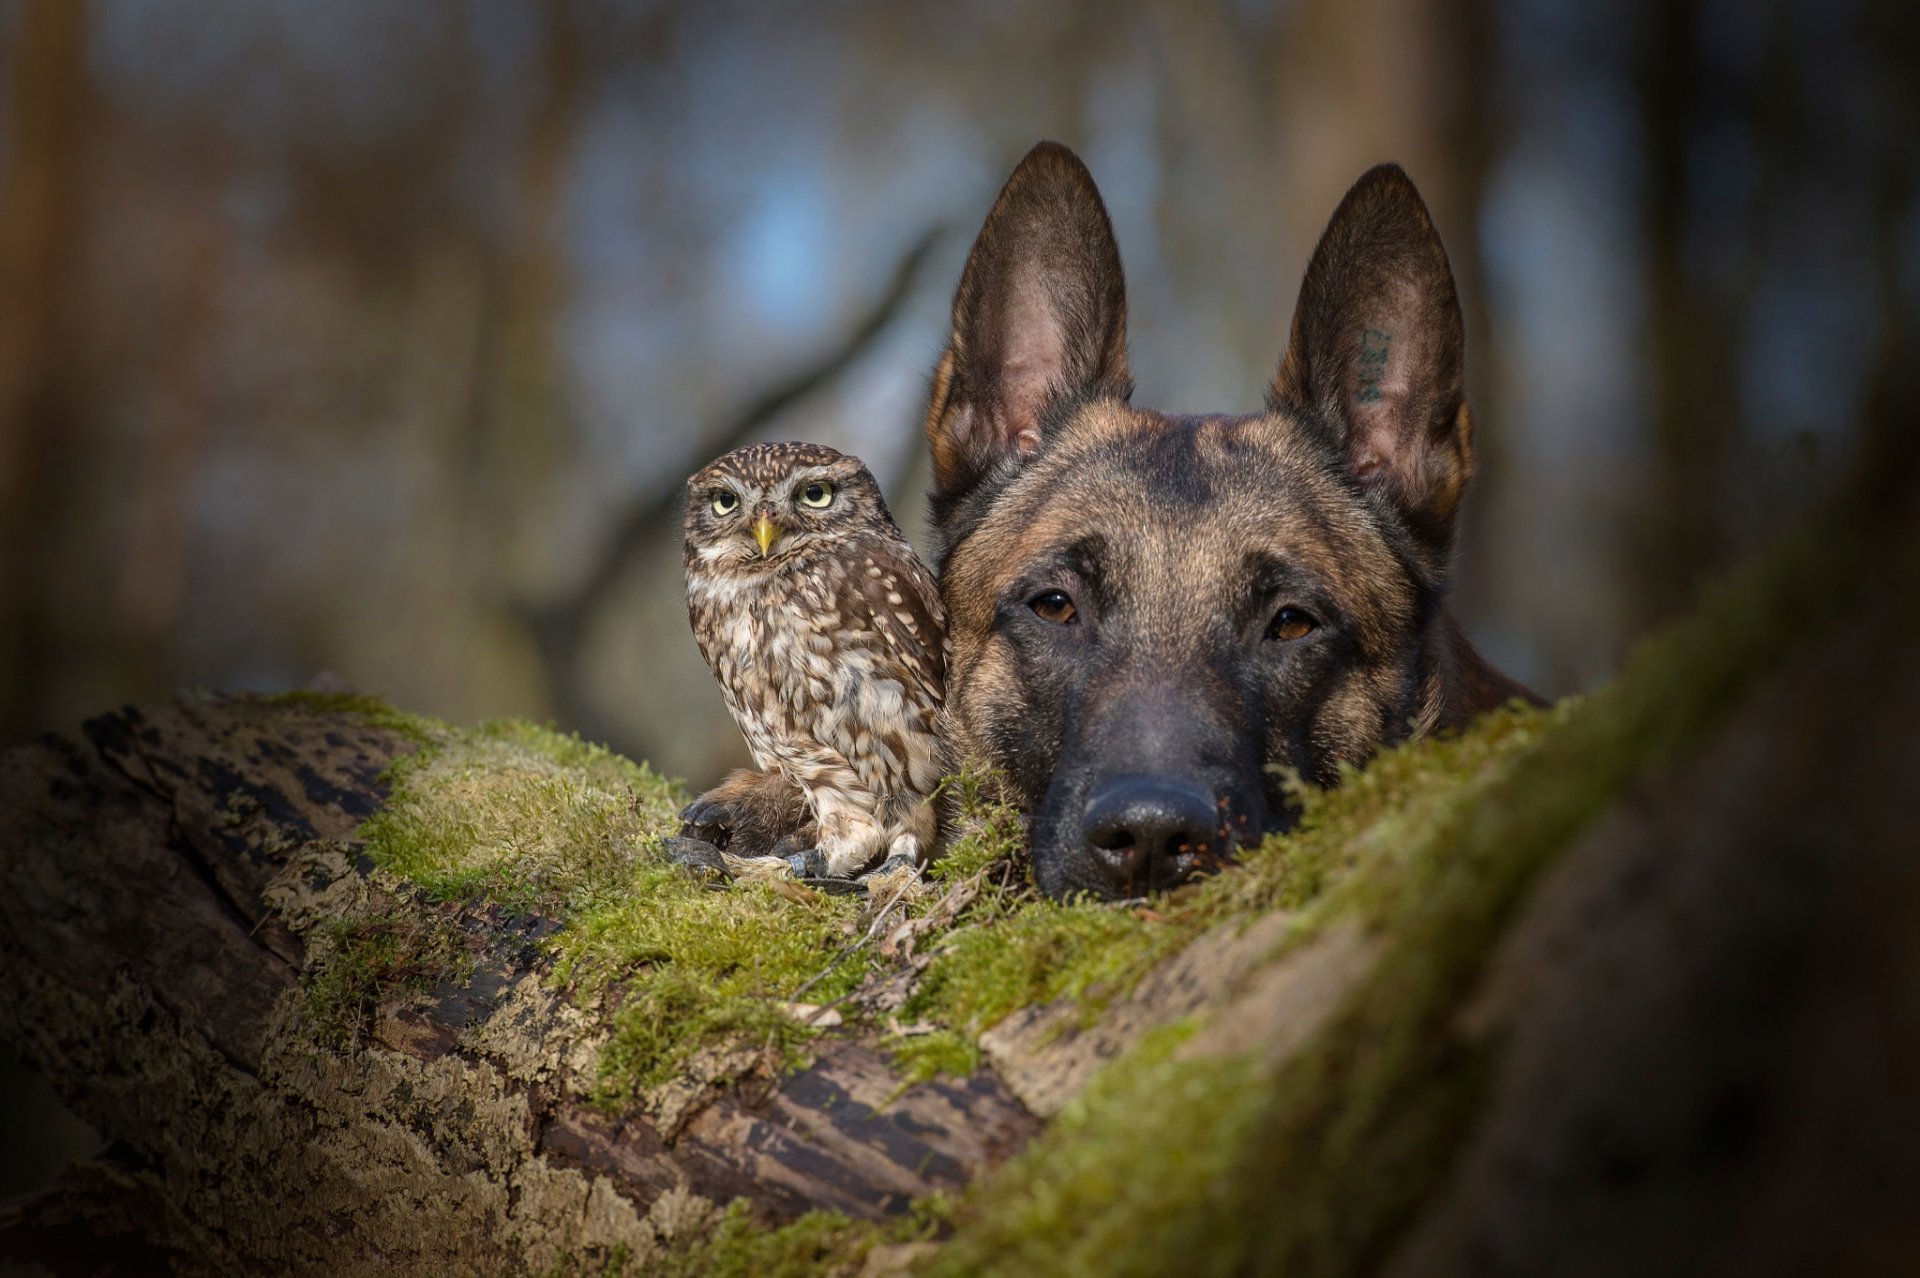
<point>1156,619</point>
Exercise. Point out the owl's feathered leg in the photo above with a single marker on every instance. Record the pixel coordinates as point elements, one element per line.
<point>749,813</point>
<point>850,838</point>
<point>857,829</point>
<point>912,828</point>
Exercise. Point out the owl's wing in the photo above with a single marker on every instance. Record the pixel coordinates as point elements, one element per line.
<point>702,617</point>
<point>893,591</point>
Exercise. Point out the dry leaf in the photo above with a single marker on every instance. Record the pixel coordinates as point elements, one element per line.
<point>814,1014</point>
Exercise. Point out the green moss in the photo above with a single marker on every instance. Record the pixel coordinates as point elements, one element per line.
<point>696,968</point>
<point>1011,948</point>
<point>372,709</point>
<point>619,1263</point>
<point>818,1243</point>
<point>365,960</point>
<point>1035,954</point>
<point>1383,816</point>
<point>1150,1138</point>
<point>519,815</point>
<point>531,819</point>
<point>920,1057</point>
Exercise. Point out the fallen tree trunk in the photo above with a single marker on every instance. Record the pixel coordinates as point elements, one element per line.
<point>161,875</point>
<point>1629,987</point>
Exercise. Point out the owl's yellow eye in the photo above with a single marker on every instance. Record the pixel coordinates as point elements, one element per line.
<point>818,494</point>
<point>725,502</point>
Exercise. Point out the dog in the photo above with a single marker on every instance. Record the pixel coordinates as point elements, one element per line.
<point>1156,618</point>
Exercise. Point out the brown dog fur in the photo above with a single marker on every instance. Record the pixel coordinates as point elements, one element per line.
<point>1192,550</point>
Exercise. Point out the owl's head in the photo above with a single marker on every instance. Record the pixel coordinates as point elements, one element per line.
<point>762,504</point>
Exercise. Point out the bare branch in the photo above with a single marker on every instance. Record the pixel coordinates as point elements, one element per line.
<point>558,626</point>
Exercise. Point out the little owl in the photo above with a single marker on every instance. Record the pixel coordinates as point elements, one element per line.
<point>829,640</point>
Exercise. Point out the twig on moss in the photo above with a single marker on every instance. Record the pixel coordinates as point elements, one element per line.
<point>851,950</point>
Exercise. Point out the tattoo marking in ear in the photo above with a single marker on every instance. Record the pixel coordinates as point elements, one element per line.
<point>1372,364</point>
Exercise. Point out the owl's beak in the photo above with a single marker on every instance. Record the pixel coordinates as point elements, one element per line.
<point>764,532</point>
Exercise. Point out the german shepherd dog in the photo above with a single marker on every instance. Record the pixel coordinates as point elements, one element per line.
<point>1155,617</point>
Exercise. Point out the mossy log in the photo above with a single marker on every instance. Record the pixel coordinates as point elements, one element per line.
<point>162,877</point>
<point>1628,986</point>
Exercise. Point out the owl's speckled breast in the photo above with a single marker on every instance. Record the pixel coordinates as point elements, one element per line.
<point>802,668</point>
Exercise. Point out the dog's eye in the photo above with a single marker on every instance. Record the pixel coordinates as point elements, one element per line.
<point>1289,624</point>
<point>724,501</point>
<point>1054,606</point>
<point>818,494</point>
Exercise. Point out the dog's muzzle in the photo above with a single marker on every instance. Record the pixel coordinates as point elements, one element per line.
<point>1136,833</point>
<point>1156,780</point>
<point>1146,832</point>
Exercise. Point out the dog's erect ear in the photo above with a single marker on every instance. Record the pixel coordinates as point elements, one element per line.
<point>1378,351</point>
<point>1041,312</point>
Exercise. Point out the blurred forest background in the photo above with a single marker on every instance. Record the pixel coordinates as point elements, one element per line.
<point>378,338</point>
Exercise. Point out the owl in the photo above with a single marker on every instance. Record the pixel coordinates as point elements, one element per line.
<point>829,640</point>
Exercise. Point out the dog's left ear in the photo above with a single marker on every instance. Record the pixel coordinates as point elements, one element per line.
<point>1378,353</point>
<point>1041,313</point>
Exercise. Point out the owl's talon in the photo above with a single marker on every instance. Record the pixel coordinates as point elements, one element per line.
<point>893,865</point>
<point>699,859</point>
<point>810,864</point>
<point>835,887</point>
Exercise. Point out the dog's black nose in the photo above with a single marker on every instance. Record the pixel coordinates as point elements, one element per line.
<point>1148,832</point>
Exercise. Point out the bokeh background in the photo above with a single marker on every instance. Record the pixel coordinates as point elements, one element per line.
<point>377,338</point>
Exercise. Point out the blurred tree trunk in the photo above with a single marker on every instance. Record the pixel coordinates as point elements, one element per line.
<point>151,592</point>
<point>521,429</point>
<point>1690,341</point>
<point>1407,81</point>
<point>42,200</point>
<point>1289,122</point>
<point>1389,80</point>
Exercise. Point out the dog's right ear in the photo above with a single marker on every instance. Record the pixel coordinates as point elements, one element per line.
<point>1041,313</point>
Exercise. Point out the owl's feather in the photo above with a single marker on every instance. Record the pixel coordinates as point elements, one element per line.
<point>902,605</point>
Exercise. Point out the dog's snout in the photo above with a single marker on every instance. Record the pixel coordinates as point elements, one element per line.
<point>1149,832</point>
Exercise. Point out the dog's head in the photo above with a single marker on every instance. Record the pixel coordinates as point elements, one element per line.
<point>1156,617</point>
